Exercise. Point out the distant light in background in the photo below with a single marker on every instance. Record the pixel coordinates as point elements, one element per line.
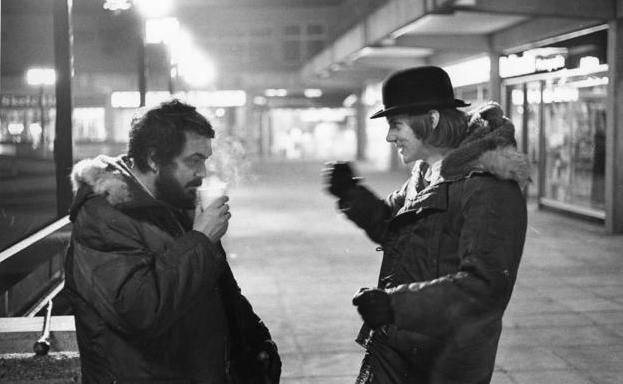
<point>15,128</point>
<point>590,82</point>
<point>310,115</point>
<point>125,99</point>
<point>222,98</point>
<point>350,100</point>
<point>220,112</point>
<point>470,72</point>
<point>589,62</point>
<point>162,30</point>
<point>191,64</point>
<point>259,100</point>
<point>312,93</point>
<point>40,76</point>
<point>117,5</point>
<point>278,92</point>
<point>154,8</point>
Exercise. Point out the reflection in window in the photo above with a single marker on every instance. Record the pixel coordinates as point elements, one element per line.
<point>575,121</point>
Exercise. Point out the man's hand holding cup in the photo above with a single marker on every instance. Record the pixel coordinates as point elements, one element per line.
<point>212,213</point>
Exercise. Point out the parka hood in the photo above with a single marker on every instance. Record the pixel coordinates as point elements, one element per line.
<point>489,147</point>
<point>109,177</point>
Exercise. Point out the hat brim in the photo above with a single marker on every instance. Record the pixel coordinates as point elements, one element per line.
<point>418,107</point>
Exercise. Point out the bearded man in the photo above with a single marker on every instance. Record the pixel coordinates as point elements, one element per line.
<point>153,296</point>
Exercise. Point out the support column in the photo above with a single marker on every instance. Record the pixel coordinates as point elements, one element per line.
<point>614,129</point>
<point>495,83</point>
<point>360,127</point>
<point>140,58</point>
<point>63,62</point>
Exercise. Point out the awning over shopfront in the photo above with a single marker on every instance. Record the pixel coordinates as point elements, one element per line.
<point>404,33</point>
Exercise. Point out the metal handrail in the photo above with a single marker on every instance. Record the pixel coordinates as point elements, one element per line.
<point>32,239</point>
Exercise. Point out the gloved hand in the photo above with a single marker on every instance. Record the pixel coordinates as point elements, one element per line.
<point>374,307</point>
<point>269,359</point>
<point>339,177</point>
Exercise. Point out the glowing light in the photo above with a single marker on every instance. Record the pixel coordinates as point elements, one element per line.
<point>220,112</point>
<point>590,82</point>
<point>35,130</point>
<point>117,5</point>
<point>223,98</point>
<point>469,72</point>
<point>517,97</point>
<point>259,100</point>
<point>40,76</point>
<point>154,8</point>
<point>312,93</point>
<point>125,99</point>
<point>15,128</point>
<point>350,100</point>
<point>589,62</point>
<point>534,60</point>
<point>162,30</point>
<point>311,115</point>
<point>279,92</point>
<point>549,64</point>
<point>193,65</point>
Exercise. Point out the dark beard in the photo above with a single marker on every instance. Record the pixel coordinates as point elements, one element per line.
<point>169,190</point>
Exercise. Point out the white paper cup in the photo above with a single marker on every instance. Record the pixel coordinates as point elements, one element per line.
<point>207,194</point>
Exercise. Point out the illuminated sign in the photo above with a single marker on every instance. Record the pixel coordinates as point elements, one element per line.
<point>534,60</point>
<point>26,101</point>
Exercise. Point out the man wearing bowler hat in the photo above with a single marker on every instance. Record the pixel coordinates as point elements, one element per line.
<point>452,235</point>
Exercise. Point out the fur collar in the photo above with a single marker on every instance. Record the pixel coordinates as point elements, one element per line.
<point>489,147</point>
<point>104,175</point>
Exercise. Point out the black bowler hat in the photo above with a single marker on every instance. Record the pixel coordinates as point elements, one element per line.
<point>416,90</point>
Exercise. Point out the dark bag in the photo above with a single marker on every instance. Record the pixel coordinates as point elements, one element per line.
<point>382,364</point>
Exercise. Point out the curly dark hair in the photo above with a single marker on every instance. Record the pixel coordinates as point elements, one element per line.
<point>159,132</point>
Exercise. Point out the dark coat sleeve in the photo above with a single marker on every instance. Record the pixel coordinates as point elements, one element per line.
<point>371,213</point>
<point>490,245</point>
<point>247,328</point>
<point>249,336</point>
<point>138,283</point>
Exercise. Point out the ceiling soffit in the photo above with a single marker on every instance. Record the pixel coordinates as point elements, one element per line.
<point>456,30</point>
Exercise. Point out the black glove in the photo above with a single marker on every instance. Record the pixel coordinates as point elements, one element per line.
<point>339,178</point>
<point>374,307</point>
<point>269,360</point>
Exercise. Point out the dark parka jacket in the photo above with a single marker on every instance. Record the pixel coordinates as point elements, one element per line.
<point>452,246</point>
<point>154,301</point>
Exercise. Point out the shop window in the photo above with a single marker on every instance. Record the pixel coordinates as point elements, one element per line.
<point>89,125</point>
<point>575,124</point>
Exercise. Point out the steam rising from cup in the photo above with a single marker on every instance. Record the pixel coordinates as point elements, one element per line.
<point>211,189</point>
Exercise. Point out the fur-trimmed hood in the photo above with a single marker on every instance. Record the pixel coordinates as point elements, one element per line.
<point>107,176</point>
<point>489,147</point>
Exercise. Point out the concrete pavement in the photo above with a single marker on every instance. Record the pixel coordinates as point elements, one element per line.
<point>299,262</point>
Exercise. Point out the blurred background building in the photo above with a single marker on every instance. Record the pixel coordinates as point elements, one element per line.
<point>297,80</point>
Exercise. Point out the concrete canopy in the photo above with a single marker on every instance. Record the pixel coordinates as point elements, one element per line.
<point>445,32</point>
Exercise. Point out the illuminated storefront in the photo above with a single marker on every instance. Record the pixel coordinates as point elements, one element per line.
<point>557,101</point>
